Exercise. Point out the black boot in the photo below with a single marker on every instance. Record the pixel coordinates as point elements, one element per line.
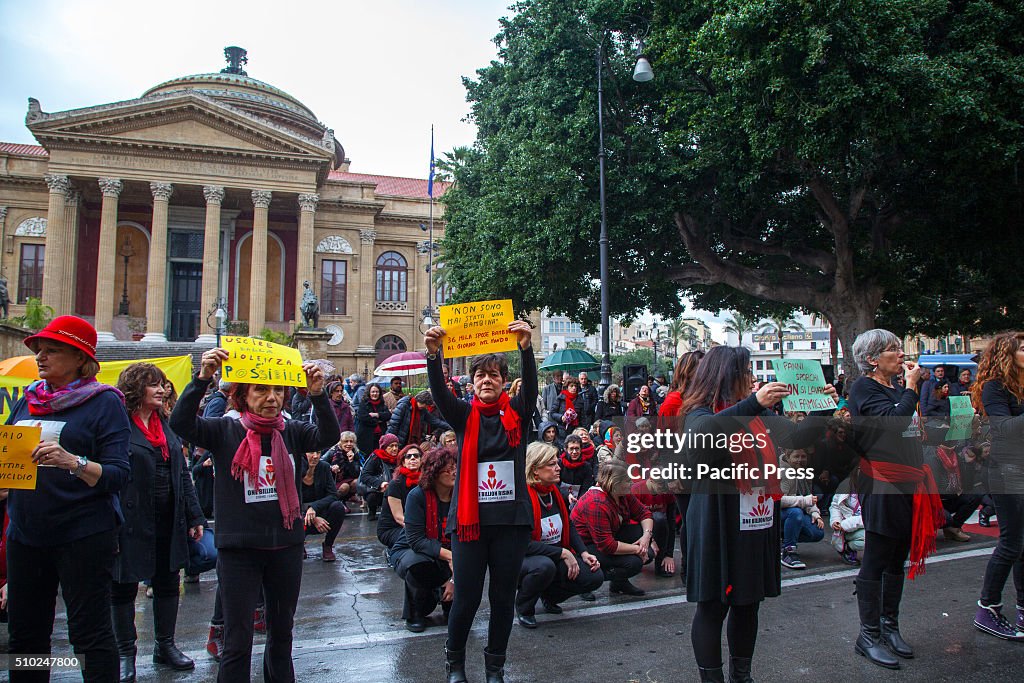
<point>739,670</point>
<point>165,617</point>
<point>869,642</point>
<point>494,666</point>
<point>892,593</point>
<point>711,675</point>
<point>123,618</point>
<point>455,664</point>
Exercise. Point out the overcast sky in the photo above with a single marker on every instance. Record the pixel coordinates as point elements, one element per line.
<point>379,73</point>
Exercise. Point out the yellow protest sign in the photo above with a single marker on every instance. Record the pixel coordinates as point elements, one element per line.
<point>11,389</point>
<point>255,361</point>
<point>17,471</point>
<point>477,327</point>
<point>177,368</point>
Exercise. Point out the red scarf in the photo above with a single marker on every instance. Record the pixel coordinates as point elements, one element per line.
<point>570,400</point>
<point>928,512</point>
<point>386,457</point>
<point>573,464</point>
<point>755,458</point>
<point>44,401</point>
<point>375,408</point>
<point>468,509</point>
<point>247,461</point>
<point>588,452</point>
<point>414,422</point>
<point>412,477</point>
<point>154,433</point>
<point>950,463</point>
<point>535,491</point>
<point>609,438</point>
<point>432,522</point>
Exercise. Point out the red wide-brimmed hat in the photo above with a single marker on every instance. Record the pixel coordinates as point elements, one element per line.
<point>70,330</point>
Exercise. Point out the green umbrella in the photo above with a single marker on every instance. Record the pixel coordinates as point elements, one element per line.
<point>570,360</point>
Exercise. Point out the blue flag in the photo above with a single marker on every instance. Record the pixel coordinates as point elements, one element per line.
<point>430,180</point>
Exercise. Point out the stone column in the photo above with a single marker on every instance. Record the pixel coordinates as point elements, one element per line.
<point>211,260</point>
<point>367,291</point>
<point>71,203</point>
<point>111,188</point>
<point>54,267</point>
<point>258,262</point>
<point>156,276</point>
<point>304,251</point>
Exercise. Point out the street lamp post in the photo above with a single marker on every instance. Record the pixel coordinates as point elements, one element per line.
<point>641,73</point>
<point>127,251</point>
<point>219,316</point>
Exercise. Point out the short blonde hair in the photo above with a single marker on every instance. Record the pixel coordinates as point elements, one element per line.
<point>612,475</point>
<point>538,454</point>
<point>347,436</point>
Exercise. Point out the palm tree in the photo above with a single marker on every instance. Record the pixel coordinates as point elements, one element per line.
<point>779,325</point>
<point>740,324</point>
<point>675,330</point>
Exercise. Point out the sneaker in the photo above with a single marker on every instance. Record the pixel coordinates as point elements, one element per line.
<point>259,620</point>
<point>215,642</point>
<point>1020,618</point>
<point>984,520</point>
<point>850,557</point>
<point>791,560</point>
<point>954,534</point>
<point>990,619</point>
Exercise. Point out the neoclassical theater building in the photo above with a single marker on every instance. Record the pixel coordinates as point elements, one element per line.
<point>214,190</point>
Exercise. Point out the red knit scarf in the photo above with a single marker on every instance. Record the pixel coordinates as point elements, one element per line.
<point>755,459</point>
<point>468,509</point>
<point>588,452</point>
<point>432,521</point>
<point>569,464</point>
<point>247,461</point>
<point>154,433</point>
<point>412,477</point>
<point>535,492</point>
<point>928,513</point>
<point>414,422</point>
<point>950,463</point>
<point>570,400</point>
<point>375,408</point>
<point>386,457</point>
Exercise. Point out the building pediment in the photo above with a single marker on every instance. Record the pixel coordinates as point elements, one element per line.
<point>188,122</point>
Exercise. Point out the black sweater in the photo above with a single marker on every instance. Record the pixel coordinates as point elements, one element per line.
<point>323,491</point>
<point>492,442</point>
<point>554,550</point>
<point>1004,412</point>
<point>416,523</point>
<point>241,524</point>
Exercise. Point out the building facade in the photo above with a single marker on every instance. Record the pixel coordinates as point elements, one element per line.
<point>214,191</point>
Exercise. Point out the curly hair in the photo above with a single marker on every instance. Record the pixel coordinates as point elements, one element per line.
<point>135,379</point>
<point>435,462</point>
<point>997,363</point>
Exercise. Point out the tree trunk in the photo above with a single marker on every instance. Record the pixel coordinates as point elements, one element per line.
<point>848,323</point>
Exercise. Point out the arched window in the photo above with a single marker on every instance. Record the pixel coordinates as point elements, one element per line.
<point>387,346</point>
<point>392,271</point>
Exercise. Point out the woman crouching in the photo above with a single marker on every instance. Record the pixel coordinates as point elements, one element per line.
<point>557,565</point>
<point>259,517</point>
<point>423,554</point>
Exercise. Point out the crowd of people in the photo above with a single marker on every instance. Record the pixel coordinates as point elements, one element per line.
<point>532,491</point>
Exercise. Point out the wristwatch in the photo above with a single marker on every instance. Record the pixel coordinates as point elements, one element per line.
<point>82,462</point>
<point>431,356</point>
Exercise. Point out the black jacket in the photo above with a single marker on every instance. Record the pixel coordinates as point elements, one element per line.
<point>137,538</point>
<point>366,437</point>
<point>241,524</point>
<point>324,492</point>
<point>401,416</point>
<point>374,473</point>
<point>586,404</point>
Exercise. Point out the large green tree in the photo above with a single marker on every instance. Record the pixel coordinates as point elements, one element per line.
<point>859,159</point>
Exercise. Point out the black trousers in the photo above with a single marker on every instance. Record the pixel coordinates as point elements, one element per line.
<point>543,576</point>
<point>240,573</point>
<point>706,631</point>
<point>335,516</point>
<point>682,505</point>
<point>1009,553</point>
<point>620,568</point>
<point>165,583</point>
<point>960,507</point>
<point>883,555</point>
<point>373,500</point>
<point>83,571</point>
<point>499,552</point>
<point>424,577</point>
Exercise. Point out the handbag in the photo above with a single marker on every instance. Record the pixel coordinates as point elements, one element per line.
<point>202,554</point>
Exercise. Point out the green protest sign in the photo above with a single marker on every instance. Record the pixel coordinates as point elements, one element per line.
<point>961,418</point>
<point>806,384</point>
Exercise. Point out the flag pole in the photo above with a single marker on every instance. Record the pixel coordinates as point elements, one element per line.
<point>430,234</point>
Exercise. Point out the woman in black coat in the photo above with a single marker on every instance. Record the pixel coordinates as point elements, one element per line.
<point>322,512</point>
<point>161,511</point>
<point>376,474</point>
<point>372,418</point>
<point>733,520</point>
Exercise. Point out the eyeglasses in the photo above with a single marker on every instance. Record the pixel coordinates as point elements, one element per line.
<point>413,455</point>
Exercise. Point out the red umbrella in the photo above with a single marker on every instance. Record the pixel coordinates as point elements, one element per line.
<point>403,365</point>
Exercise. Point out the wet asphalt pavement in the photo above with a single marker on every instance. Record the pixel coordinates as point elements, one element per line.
<point>349,628</point>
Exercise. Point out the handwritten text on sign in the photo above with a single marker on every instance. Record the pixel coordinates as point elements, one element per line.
<point>17,471</point>
<point>255,361</point>
<point>477,327</point>
<point>961,418</point>
<point>806,384</point>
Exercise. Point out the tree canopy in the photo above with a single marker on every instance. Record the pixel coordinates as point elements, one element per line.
<point>858,159</point>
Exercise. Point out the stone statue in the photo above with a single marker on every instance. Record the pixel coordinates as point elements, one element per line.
<point>310,307</point>
<point>5,297</point>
